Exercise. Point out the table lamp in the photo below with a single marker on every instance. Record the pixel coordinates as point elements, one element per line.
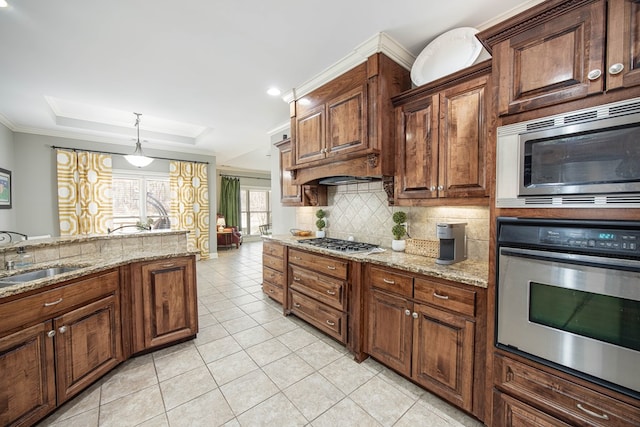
<point>221,224</point>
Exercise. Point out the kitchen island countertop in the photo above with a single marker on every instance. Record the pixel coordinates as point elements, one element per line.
<point>468,272</point>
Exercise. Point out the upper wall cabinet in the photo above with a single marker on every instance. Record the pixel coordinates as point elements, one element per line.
<point>555,52</point>
<point>441,143</point>
<point>296,195</point>
<point>345,127</point>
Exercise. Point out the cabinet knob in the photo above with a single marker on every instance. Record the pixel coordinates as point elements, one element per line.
<point>51,334</point>
<point>594,74</point>
<point>432,188</point>
<point>407,312</point>
<point>296,305</point>
<point>415,315</point>
<point>440,188</point>
<point>616,68</point>
<point>62,329</point>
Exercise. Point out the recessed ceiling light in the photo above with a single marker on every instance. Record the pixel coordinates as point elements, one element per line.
<point>3,3</point>
<point>274,91</point>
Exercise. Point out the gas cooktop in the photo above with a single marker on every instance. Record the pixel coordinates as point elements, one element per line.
<point>339,245</point>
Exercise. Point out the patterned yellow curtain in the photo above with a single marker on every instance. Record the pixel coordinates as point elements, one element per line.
<point>189,206</point>
<point>85,204</point>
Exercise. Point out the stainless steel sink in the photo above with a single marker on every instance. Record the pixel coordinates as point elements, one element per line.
<point>35,275</point>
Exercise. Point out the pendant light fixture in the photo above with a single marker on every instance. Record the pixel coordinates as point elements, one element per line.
<point>138,159</point>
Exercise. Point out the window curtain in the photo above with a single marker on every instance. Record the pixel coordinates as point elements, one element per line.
<point>230,201</point>
<point>189,207</point>
<point>85,204</point>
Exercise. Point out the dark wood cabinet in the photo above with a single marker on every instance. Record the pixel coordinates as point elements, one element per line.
<point>425,330</point>
<point>519,387</point>
<point>55,343</point>
<point>442,140</point>
<point>318,290</point>
<point>164,302</point>
<point>562,50</point>
<point>290,193</point>
<point>273,270</point>
<point>345,127</point>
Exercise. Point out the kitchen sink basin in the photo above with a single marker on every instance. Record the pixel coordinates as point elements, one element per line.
<point>35,275</point>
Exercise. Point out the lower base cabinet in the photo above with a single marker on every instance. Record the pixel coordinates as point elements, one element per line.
<point>426,331</point>
<point>74,339</point>
<point>164,302</point>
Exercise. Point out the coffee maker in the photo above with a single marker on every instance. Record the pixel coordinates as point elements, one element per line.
<point>453,242</point>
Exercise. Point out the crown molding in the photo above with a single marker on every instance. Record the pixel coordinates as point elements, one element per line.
<point>508,14</point>
<point>380,42</point>
<point>279,129</point>
<point>8,123</point>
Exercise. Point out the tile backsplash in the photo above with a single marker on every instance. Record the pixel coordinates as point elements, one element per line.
<point>362,211</point>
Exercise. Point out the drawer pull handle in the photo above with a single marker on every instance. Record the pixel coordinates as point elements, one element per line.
<point>391,282</point>
<point>171,264</point>
<point>437,295</point>
<point>330,292</point>
<point>296,279</point>
<point>593,414</point>
<point>330,323</point>
<point>296,257</point>
<point>296,305</point>
<point>49,304</point>
<point>331,267</point>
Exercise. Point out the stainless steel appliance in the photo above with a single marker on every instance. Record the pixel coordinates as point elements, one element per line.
<point>585,158</point>
<point>339,245</point>
<point>568,295</point>
<point>453,242</point>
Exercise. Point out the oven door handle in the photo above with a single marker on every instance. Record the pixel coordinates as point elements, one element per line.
<point>568,258</point>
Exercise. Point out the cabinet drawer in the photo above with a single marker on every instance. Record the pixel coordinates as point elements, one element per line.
<point>273,262</point>
<point>273,249</point>
<point>325,318</point>
<point>47,304</point>
<point>561,398</point>
<point>320,263</point>
<point>391,281</point>
<point>462,301</point>
<point>323,288</point>
<point>273,291</point>
<point>273,276</point>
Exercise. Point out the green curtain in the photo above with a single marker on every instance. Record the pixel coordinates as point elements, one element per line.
<point>230,201</point>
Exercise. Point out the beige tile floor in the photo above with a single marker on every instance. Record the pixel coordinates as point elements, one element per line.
<point>251,366</point>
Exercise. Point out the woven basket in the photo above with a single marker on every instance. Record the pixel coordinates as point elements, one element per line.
<point>428,248</point>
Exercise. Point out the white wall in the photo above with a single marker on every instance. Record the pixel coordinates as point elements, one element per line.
<point>7,216</point>
<point>34,176</point>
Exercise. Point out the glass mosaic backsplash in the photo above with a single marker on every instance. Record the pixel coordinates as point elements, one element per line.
<point>362,211</point>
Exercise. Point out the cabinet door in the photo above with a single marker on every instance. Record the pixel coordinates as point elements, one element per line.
<point>88,345</point>
<point>309,136</point>
<point>550,62</point>
<point>463,140</point>
<point>347,122</point>
<point>509,412</point>
<point>623,44</point>
<point>443,347</point>
<point>417,150</point>
<point>166,303</point>
<point>290,194</point>
<point>389,334</point>
<point>27,383</point>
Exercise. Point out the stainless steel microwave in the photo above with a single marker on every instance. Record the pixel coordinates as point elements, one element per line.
<point>586,158</point>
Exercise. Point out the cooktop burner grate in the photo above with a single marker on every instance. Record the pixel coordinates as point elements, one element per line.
<point>339,244</point>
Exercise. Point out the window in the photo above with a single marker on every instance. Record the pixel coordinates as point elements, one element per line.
<point>255,209</point>
<point>140,197</point>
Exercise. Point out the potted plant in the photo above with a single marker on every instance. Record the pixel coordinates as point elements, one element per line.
<point>398,243</point>
<point>321,223</point>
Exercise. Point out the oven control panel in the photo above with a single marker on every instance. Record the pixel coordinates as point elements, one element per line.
<point>607,240</point>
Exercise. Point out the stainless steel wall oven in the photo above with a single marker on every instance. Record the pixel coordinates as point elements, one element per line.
<point>568,296</point>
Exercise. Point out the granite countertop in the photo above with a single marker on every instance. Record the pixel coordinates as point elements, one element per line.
<point>87,264</point>
<point>468,272</point>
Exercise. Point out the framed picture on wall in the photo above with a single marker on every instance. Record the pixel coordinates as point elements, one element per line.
<point>5,189</point>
